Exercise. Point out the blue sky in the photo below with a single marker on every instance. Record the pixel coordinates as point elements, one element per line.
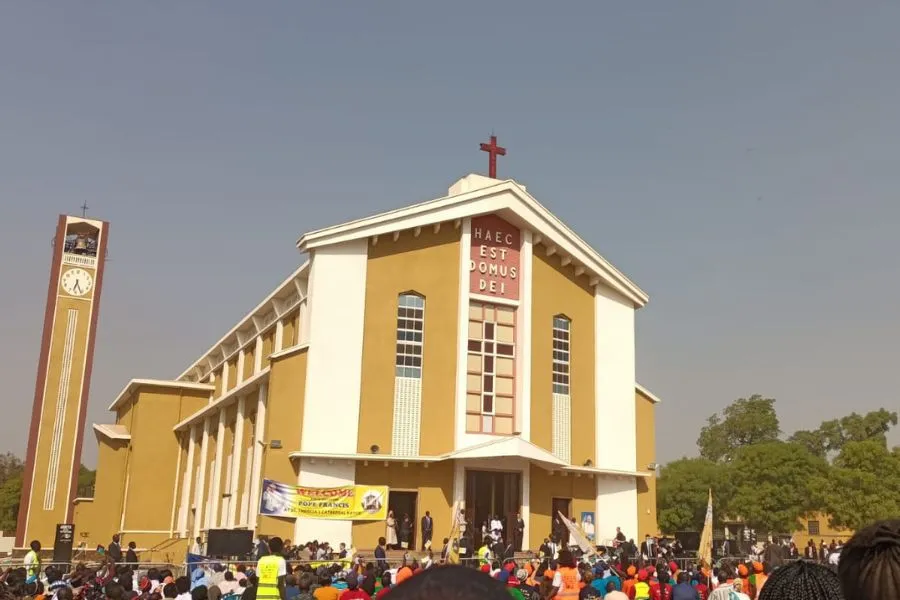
<point>738,161</point>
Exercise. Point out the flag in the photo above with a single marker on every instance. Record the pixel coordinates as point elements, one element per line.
<point>577,536</point>
<point>706,538</point>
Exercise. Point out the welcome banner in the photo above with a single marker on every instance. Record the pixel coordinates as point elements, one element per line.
<point>351,502</point>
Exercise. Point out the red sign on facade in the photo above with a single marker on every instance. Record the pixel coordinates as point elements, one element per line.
<point>494,258</point>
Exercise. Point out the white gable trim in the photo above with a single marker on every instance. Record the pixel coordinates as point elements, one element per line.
<point>507,198</point>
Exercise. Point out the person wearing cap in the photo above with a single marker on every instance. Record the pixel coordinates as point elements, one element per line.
<point>757,579</point>
<point>630,581</point>
<point>642,587</point>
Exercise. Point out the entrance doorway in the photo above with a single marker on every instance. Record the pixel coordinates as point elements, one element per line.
<point>493,494</point>
<point>560,531</point>
<point>404,504</point>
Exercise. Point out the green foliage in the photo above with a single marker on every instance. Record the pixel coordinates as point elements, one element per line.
<point>831,436</point>
<point>11,468</point>
<point>745,422</point>
<point>770,484</point>
<point>86,479</point>
<point>683,491</point>
<point>863,485</point>
<point>774,484</point>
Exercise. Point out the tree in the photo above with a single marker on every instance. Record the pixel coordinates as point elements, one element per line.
<point>10,492</point>
<point>863,485</point>
<point>683,490</point>
<point>831,436</point>
<point>775,483</point>
<point>86,480</point>
<point>745,422</point>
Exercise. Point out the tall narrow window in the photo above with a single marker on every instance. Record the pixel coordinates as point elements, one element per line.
<point>491,369</point>
<point>410,327</point>
<point>561,331</point>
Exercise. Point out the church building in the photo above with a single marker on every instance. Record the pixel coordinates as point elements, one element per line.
<point>466,352</point>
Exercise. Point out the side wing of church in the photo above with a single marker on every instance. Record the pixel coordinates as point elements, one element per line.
<point>470,352</point>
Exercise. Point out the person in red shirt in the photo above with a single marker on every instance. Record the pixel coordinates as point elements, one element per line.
<point>661,589</point>
<point>353,592</point>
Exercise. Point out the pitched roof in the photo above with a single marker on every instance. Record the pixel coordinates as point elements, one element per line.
<point>477,195</point>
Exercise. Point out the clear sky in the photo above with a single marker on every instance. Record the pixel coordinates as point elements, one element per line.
<point>739,161</point>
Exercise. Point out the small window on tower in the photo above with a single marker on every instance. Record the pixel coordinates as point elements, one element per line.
<point>812,527</point>
<point>410,328</point>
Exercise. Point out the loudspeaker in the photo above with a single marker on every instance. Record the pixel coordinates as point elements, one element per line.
<point>229,542</point>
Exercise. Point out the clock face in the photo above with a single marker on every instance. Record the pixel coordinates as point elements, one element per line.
<point>77,282</point>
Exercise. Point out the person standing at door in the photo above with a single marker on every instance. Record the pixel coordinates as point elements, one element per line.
<point>390,530</point>
<point>520,533</point>
<point>405,531</point>
<point>427,530</point>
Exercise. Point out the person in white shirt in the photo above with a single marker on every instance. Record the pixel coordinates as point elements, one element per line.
<point>229,584</point>
<point>496,528</point>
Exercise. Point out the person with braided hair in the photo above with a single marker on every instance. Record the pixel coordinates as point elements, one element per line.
<point>869,568</point>
<point>802,580</point>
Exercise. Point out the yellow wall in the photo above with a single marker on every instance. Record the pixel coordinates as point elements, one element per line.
<point>434,484</point>
<point>556,291</point>
<point>249,360</point>
<point>284,422</point>
<point>289,335</point>
<point>100,519</point>
<point>826,532</point>
<point>545,487</point>
<point>42,523</point>
<point>232,373</point>
<point>645,417</point>
<point>429,266</point>
<point>268,346</point>
<point>154,449</point>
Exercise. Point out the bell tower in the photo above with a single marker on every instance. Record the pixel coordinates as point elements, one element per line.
<point>53,457</point>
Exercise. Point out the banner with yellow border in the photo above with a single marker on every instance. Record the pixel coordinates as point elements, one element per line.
<point>351,502</point>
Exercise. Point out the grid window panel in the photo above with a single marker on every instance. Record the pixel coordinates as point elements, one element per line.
<point>491,376</point>
<point>561,354</point>
<point>410,332</point>
<point>813,527</point>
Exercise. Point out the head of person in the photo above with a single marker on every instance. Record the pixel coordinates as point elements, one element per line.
<point>183,585</point>
<point>802,580</point>
<point>170,590</point>
<point>276,546</point>
<point>566,559</point>
<point>870,562</point>
<point>386,579</point>
<point>683,577</point>
<point>35,545</point>
<point>200,593</point>
<point>450,583</point>
<point>381,541</point>
<point>114,591</point>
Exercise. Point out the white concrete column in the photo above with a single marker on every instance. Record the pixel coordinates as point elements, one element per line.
<point>216,494</point>
<point>525,510</point>
<point>240,366</point>
<point>303,337</point>
<point>523,341</point>
<point>200,490</point>
<point>279,336</point>
<point>212,382</point>
<point>462,341</point>
<point>258,441</point>
<point>186,483</point>
<point>257,355</point>
<point>237,450</point>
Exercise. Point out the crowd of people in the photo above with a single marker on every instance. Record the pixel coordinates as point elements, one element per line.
<point>868,569</point>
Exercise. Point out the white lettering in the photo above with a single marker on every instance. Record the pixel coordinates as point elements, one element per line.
<point>508,239</point>
<point>493,287</point>
<point>482,285</point>
<point>482,251</point>
<point>513,271</point>
<point>483,267</point>
<point>478,233</point>
<point>471,265</point>
<point>503,252</point>
<point>502,288</point>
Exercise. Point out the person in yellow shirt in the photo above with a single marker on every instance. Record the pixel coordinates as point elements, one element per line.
<point>272,571</point>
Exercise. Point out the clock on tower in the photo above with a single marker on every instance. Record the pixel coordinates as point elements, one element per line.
<point>63,381</point>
